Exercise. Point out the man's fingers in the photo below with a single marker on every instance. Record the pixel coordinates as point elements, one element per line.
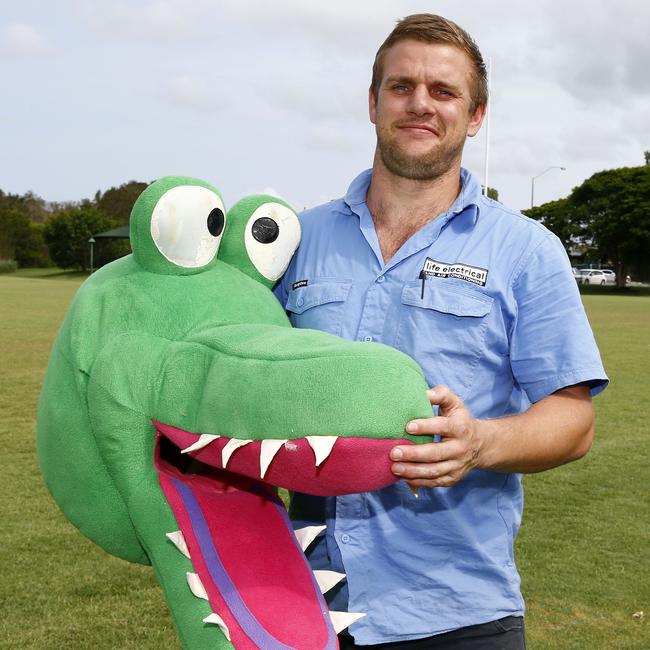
<point>424,471</point>
<point>433,452</point>
<point>427,426</point>
<point>443,481</point>
<point>444,398</point>
<point>447,427</point>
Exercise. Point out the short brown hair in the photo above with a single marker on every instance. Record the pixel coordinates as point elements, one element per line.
<point>430,28</point>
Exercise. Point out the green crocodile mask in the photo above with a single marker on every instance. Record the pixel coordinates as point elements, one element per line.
<point>177,397</point>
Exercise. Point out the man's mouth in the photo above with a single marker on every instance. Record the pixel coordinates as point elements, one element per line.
<point>248,562</point>
<point>416,128</point>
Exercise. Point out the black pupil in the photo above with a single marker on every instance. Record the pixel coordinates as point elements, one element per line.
<point>215,222</point>
<point>265,230</point>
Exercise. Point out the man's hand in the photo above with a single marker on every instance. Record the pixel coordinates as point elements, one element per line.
<point>558,429</point>
<point>440,464</point>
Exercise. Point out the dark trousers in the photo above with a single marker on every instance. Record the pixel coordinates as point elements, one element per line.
<point>505,634</point>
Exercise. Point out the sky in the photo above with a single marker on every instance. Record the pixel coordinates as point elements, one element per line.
<point>271,95</point>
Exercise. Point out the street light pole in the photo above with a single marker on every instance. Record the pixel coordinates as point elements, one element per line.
<point>488,109</point>
<point>532,183</point>
<point>91,241</point>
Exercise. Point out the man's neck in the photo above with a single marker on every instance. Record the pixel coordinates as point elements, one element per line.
<point>401,206</point>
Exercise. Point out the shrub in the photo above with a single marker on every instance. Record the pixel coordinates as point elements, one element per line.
<point>66,234</point>
<point>21,239</point>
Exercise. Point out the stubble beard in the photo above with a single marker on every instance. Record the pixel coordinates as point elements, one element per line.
<point>423,167</point>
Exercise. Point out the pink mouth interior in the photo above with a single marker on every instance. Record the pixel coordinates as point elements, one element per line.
<point>246,555</point>
<point>239,536</point>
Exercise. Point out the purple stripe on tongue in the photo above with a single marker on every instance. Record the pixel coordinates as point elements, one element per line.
<point>249,624</point>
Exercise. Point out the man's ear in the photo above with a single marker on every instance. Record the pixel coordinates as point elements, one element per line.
<point>475,120</point>
<point>372,105</point>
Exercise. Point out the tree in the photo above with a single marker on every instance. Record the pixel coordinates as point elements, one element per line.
<point>30,204</point>
<point>22,240</point>
<point>491,193</point>
<point>116,202</point>
<point>21,237</point>
<point>560,217</point>
<point>67,233</point>
<point>614,206</point>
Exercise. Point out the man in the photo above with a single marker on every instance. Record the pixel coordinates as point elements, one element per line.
<point>484,300</point>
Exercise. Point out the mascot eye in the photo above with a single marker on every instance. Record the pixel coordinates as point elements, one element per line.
<point>187,224</point>
<point>216,222</point>
<point>265,230</point>
<point>271,237</point>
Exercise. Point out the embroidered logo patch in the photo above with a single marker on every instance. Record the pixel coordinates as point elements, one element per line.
<point>300,283</point>
<point>473,274</point>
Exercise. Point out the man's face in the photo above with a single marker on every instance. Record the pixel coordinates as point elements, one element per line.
<point>422,112</point>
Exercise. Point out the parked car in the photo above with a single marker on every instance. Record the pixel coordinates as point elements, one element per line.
<point>597,276</point>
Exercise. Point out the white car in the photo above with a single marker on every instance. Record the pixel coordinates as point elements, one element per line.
<point>597,276</point>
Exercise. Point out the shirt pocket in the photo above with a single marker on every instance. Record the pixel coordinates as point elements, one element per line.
<point>444,330</point>
<point>319,305</point>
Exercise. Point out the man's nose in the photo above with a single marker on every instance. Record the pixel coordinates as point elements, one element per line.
<point>420,102</point>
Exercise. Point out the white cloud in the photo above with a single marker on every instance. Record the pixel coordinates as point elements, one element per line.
<point>22,40</point>
<point>335,99</point>
<point>349,23</point>
<point>271,191</point>
<point>600,50</point>
<point>196,93</point>
<point>156,20</point>
<point>334,138</point>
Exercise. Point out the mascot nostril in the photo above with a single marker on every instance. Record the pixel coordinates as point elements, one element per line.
<point>154,441</point>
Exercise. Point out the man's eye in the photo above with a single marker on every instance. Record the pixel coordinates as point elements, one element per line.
<point>400,88</point>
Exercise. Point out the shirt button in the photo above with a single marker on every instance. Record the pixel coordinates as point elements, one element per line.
<point>345,538</point>
<point>300,302</point>
<point>380,278</point>
<point>367,339</point>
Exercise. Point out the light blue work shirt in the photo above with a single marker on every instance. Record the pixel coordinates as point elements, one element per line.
<point>484,300</point>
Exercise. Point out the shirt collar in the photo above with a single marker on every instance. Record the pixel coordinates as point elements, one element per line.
<point>470,193</point>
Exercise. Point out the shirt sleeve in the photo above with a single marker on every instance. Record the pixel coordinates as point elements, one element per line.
<point>552,344</point>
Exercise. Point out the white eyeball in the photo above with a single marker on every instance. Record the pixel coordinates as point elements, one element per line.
<point>187,225</point>
<point>272,235</point>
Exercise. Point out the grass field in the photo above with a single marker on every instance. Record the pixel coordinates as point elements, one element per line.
<point>583,551</point>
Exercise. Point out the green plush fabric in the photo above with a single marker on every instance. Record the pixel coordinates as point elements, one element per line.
<point>205,349</point>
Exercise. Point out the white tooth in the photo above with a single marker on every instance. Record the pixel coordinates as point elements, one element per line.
<point>322,446</point>
<point>307,535</point>
<point>341,620</point>
<point>204,440</point>
<point>327,579</point>
<point>217,620</point>
<point>196,586</point>
<point>268,451</point>
<point>179,542</point>
<point>229,448</point>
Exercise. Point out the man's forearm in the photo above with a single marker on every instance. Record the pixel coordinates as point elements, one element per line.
<point>554,431</point>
